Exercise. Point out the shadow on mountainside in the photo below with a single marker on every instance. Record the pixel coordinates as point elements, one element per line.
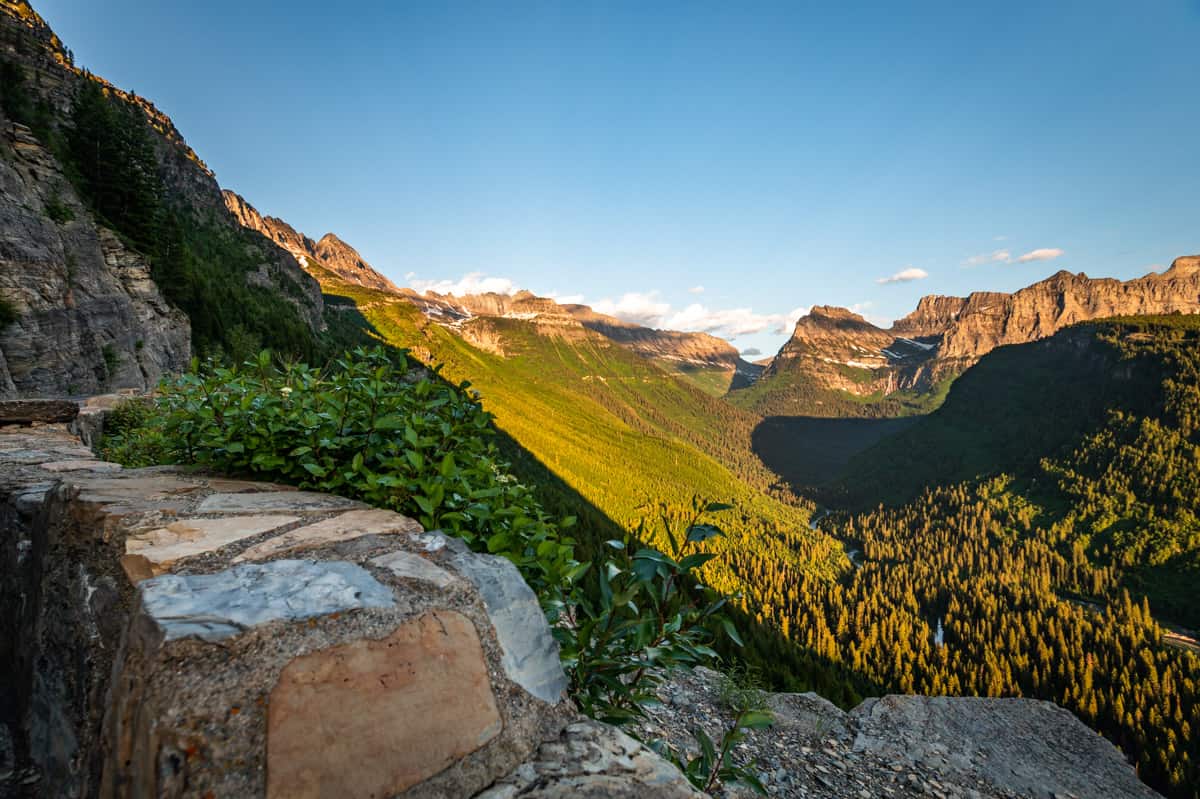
<point>809,451</point>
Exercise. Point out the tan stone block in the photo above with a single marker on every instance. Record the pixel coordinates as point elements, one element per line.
<point>374,718</point>
<point>344,527</point>
<point>165,545</point>
<point>81,464</point>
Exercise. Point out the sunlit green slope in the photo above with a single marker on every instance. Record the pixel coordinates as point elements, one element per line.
<point>615,428</point>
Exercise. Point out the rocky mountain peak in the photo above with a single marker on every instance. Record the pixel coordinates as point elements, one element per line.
<point>834,312</point>
<point>330,253</point>
<point>1184,265</point>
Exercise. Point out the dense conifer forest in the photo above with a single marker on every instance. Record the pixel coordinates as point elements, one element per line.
<point>1053,581</point>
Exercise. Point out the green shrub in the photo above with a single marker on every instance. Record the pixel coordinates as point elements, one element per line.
<point>112,358</point>
<point>58,211</point>
<point>132,436</point>
<point>651,614</point>
<point>362,430</point>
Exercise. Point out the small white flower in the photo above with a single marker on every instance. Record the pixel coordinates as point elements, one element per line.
<point>285,391</point>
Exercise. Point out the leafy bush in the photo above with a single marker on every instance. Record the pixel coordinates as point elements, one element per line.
<point>133,437</point>
<point>651,614</point>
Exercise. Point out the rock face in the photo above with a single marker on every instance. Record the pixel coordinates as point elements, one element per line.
<point>86,315</point>
<point>906,746</point>
<point>833,348</point>
<point>167,633</point>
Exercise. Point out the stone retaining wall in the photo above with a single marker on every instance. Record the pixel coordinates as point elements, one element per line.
<point>167,633</point>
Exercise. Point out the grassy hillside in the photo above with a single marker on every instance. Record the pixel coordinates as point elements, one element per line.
<point>613,428</point>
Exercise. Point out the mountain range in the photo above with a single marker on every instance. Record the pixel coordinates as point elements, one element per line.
<point>836,363</point>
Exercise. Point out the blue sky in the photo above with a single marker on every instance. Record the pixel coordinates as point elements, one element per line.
<point>775,155</point>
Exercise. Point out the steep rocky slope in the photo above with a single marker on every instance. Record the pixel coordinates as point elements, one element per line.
<point>837,363</point>
<point>331,252</point>
<point>84,307</point>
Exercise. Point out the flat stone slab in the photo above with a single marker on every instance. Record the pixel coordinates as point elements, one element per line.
<point>414,567</point>
<point>187,537</point>
<point>136,487</point>
<point>373,718</point>
<point>530,657</point>
<point>25,411</point>
<point>344,527</point>
<point>82,464</point>
<point>292,501</point>
<point>215,606</point>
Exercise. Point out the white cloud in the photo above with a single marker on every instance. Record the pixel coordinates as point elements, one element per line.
<point>565,299</point>
<point>750,352</point>
<point>643,308</point>
<point>904,276</point>
<point>1000,238</point>
<point>725,322</point>
<point>649,310</point>
<point>1041,254</point>
<point>994,257</point>
<point>409,275</point>
<point>792,318</point>
<point>637,307</point>
<point>470,283</point>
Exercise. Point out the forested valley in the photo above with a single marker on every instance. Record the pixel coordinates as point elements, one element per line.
<point>1033,545</point>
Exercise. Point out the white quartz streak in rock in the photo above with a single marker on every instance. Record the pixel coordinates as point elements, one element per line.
<point>215,606</point>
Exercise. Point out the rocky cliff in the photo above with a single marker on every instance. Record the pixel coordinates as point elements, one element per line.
<point>85,314</point>
<point>834,349</point>
<point>81,309</point>
<point>903,746</point>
